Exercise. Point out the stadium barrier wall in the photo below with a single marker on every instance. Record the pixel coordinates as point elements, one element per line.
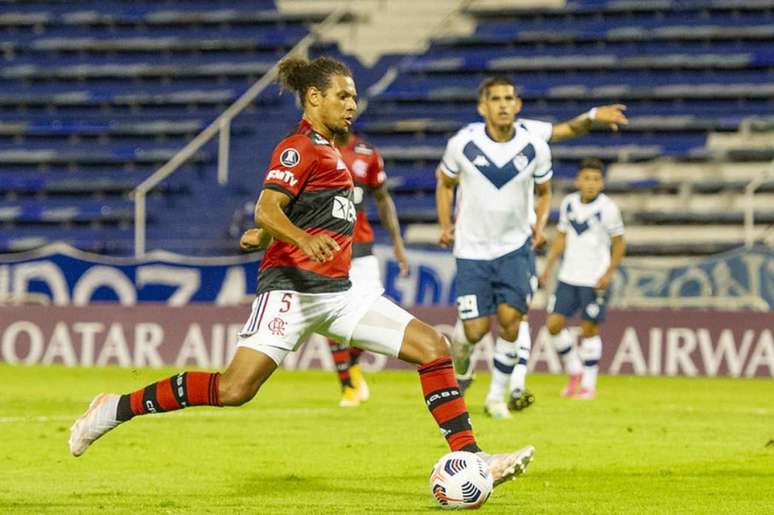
<point>60,275</point>
<point>657,342</point>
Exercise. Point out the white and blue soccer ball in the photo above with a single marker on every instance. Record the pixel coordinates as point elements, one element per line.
<point>461,480</point>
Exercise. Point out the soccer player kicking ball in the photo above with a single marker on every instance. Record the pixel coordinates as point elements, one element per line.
<point>367,169</point>
<point>590,240</point>
<point>306,206</point>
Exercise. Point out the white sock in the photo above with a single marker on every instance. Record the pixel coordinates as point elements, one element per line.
<point>591,352</point>
<point>503,361</point>
<point>462,348</point>
<point>523,346</point>
<point>564,347</point>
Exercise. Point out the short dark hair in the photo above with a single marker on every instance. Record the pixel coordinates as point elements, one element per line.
<point>592,163</point>
<point>298,74</point>
<point>499,80</point>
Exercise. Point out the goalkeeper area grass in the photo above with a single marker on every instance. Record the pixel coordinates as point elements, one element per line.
<point>646,445</point>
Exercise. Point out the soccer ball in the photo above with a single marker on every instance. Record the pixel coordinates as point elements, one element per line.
<point>461,480</point>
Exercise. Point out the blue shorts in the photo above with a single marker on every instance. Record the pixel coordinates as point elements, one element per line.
<point>567,299</point>
<point>482,285</point>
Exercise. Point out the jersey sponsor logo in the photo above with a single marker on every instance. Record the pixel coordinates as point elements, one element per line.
<point>290,157</point>
<point>282,175</point>
<point>343,209</point>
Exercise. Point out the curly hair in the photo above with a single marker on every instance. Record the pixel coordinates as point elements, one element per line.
<point>299,74</point>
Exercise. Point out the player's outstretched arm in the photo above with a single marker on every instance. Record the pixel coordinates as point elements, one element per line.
<point>389,218</point>
<point>270,215</point>
<point>611,115</point>
<point>254,239</point>
<point>617,251</point>
<point>444,193</point>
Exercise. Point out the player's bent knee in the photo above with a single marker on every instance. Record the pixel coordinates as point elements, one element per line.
<point>554,325</point>
<point>589,330</point>
<point>422,343</point>
<point>509,333</point>
<point>475,331</point>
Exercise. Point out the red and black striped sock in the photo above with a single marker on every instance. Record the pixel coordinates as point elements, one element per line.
<point>340,353</point>
<point>174,393</point>
<point>446,404</point>
<point>354,355</point>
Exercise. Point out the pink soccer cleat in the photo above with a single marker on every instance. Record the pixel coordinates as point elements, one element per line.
<point>573,386</point>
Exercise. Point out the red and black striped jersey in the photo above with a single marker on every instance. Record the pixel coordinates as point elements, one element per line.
<point>367,169</point>
<point>310,170</point>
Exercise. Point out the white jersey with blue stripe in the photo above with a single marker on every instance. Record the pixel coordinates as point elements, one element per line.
<point>588,228</point>
<point>496,186</point>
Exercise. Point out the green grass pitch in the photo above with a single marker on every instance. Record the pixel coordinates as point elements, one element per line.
<point>647,445</point>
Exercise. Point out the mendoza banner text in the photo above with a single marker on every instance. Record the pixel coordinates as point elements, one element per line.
<point>658,342</point>
<point>60,275</point>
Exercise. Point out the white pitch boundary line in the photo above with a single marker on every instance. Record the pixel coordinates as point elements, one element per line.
<point>197,414</point>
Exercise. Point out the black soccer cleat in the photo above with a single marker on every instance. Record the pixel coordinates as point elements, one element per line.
<point>520,400</point>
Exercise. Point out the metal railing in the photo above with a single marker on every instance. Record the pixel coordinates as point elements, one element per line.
<point>221,126</point>
<point>749,207</point>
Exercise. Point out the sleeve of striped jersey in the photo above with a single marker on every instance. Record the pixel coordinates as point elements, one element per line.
<point>291,163</point>
<point>612,221</point>
<point>449,163</point>
<point>542,130</point>
<point>543,170</point>
<point>376,175</point>
<point>563,223</point>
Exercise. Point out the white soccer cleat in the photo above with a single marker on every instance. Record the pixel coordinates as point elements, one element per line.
<point>496,409</point>
<point>98,420</point>
<point>505,467</point>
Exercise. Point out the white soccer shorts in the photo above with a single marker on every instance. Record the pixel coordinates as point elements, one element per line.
<point>364,274</point>
<point>282,320</point>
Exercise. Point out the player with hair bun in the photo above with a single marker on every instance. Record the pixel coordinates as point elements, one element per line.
<point>307,207</point>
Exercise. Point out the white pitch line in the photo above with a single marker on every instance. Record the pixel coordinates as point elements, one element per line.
<point>194,414</point>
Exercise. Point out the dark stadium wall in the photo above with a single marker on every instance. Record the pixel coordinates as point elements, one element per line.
<point>639,342</point>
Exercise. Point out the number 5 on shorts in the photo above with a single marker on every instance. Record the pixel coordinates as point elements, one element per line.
<point>467,306</point>
<point>285,301</point>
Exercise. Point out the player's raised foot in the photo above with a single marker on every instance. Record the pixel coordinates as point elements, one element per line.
<point>520,399</point>
<point>349,398</point>
<point>505,467</point>
<point>573,386</point>
<point>99,418</point>
<point>586,394</point>
<point>496,409</point>
<point>361,386</point>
